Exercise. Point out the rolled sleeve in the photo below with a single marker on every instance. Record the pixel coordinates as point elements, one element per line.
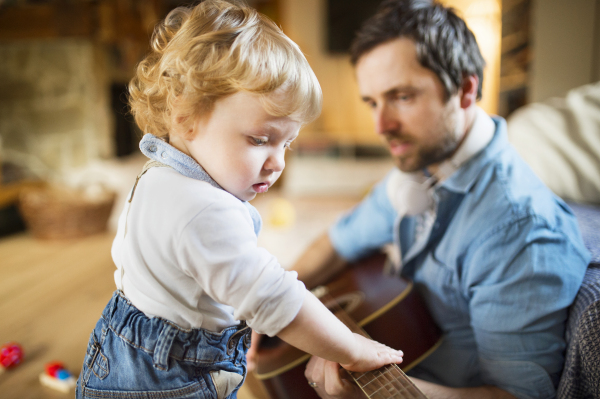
<point>518,300</point>
<point>219,250</point>
<point>523,379</point>
<point>367,227</point>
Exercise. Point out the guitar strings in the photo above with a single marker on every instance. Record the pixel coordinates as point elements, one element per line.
<point>390,387</point>
<point>377,382</point>
<point>400,383</point>
<point>346,319</point>
<point>393,383</point>
<point>411,387</point>
<point>397,375</point>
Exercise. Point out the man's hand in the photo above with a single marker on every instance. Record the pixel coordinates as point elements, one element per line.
<point>251,355</point>
<point>332,382</point>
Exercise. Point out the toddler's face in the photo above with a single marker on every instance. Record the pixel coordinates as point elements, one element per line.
<point>240,145</point>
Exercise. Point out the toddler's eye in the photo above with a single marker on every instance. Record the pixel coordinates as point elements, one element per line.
<point>288,146</point>
<point>259,141</point>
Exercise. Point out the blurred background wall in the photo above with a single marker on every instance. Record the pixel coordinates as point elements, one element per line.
<point>65,64</point>
<point>345,119</point>
<point>566,44</point>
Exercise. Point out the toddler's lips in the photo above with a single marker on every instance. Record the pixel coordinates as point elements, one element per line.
<point>260,187</point>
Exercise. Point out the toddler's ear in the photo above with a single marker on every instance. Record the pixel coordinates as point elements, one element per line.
<point>182,126</point>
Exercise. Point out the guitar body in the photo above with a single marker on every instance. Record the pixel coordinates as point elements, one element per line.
<point>387,308</point>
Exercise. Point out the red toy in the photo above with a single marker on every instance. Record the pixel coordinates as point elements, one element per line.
<point>11,355</point>
<point>57,377</point>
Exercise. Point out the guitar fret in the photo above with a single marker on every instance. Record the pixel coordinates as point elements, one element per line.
<point>372,379</point>
<point>387,382</point>
<point>391,382</point>
<point>389,386</point>
<point>409,386</point>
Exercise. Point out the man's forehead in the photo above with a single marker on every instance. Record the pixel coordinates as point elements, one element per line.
<point>389,65</point>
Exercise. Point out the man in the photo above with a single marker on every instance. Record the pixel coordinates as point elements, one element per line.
<point>495,255</point>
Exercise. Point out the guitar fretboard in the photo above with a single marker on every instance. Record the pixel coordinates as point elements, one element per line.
<point>388,382</point>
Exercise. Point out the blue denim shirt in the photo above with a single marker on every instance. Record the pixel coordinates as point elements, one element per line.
<point>503,262</point>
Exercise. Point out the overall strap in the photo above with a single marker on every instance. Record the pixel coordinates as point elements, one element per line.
<point>147,166</point>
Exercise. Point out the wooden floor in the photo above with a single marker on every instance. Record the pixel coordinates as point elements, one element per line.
<point>52,293</point>
<point>51,297</point>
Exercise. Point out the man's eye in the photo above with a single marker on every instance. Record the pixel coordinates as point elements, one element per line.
<point>259,141</point>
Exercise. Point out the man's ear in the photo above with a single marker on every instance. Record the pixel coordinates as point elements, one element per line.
<point>469,87</point>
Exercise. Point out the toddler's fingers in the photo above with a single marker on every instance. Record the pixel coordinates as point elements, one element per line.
<point>396,356</point>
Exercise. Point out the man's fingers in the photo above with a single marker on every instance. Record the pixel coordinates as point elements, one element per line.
<point>314,370</point>
<point>252,354</point>
<point>333,382</point>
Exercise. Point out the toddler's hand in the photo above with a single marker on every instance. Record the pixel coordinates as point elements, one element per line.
<point>371,355</point>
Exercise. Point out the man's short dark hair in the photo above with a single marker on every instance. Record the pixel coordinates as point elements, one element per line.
<point>444,43</point>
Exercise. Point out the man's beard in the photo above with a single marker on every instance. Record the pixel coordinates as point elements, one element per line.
<point>434,151</point>
<point>428,155</point>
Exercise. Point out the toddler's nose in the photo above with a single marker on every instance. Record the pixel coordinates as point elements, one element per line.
<point>275,162</point>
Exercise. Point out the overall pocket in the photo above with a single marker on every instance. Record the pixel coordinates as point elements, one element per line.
<point>225,382</point>
<point>95,360</point>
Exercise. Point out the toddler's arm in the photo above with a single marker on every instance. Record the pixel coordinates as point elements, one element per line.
<point>317,331</point>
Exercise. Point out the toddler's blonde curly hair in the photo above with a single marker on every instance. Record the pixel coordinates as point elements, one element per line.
<point>204,53</point>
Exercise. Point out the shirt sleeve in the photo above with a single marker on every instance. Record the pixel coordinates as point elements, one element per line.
<point>367,227</point>
<point>218,248</point>
<point>523,278</point>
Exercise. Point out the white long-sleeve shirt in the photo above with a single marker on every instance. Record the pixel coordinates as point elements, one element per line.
<point>190,256</point>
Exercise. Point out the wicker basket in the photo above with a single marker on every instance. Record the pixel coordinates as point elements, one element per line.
<point>60,213</point>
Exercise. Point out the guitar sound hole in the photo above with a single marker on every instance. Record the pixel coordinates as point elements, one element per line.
<point>346,302</point>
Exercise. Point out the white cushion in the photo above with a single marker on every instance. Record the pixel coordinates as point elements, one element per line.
<point>560,139</point>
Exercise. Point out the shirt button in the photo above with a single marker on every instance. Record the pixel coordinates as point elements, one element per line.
<point>152,148</point>
<point>163,155</point>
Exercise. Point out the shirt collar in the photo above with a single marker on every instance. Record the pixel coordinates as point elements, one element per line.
<point>477,138</point>
<point>161,151</point>
<point>481,151</point>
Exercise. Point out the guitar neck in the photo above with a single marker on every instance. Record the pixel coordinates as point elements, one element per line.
<point>388,382</point>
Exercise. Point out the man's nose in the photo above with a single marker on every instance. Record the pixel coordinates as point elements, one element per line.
<point>386,119</point>
<point>276,161</point>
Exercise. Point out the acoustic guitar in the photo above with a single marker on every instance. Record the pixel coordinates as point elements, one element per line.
<point>387,308</point>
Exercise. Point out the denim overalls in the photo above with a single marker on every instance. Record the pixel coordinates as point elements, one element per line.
<point>130,355</point>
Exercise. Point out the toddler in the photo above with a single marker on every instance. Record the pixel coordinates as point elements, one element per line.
<point>222,94</point>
